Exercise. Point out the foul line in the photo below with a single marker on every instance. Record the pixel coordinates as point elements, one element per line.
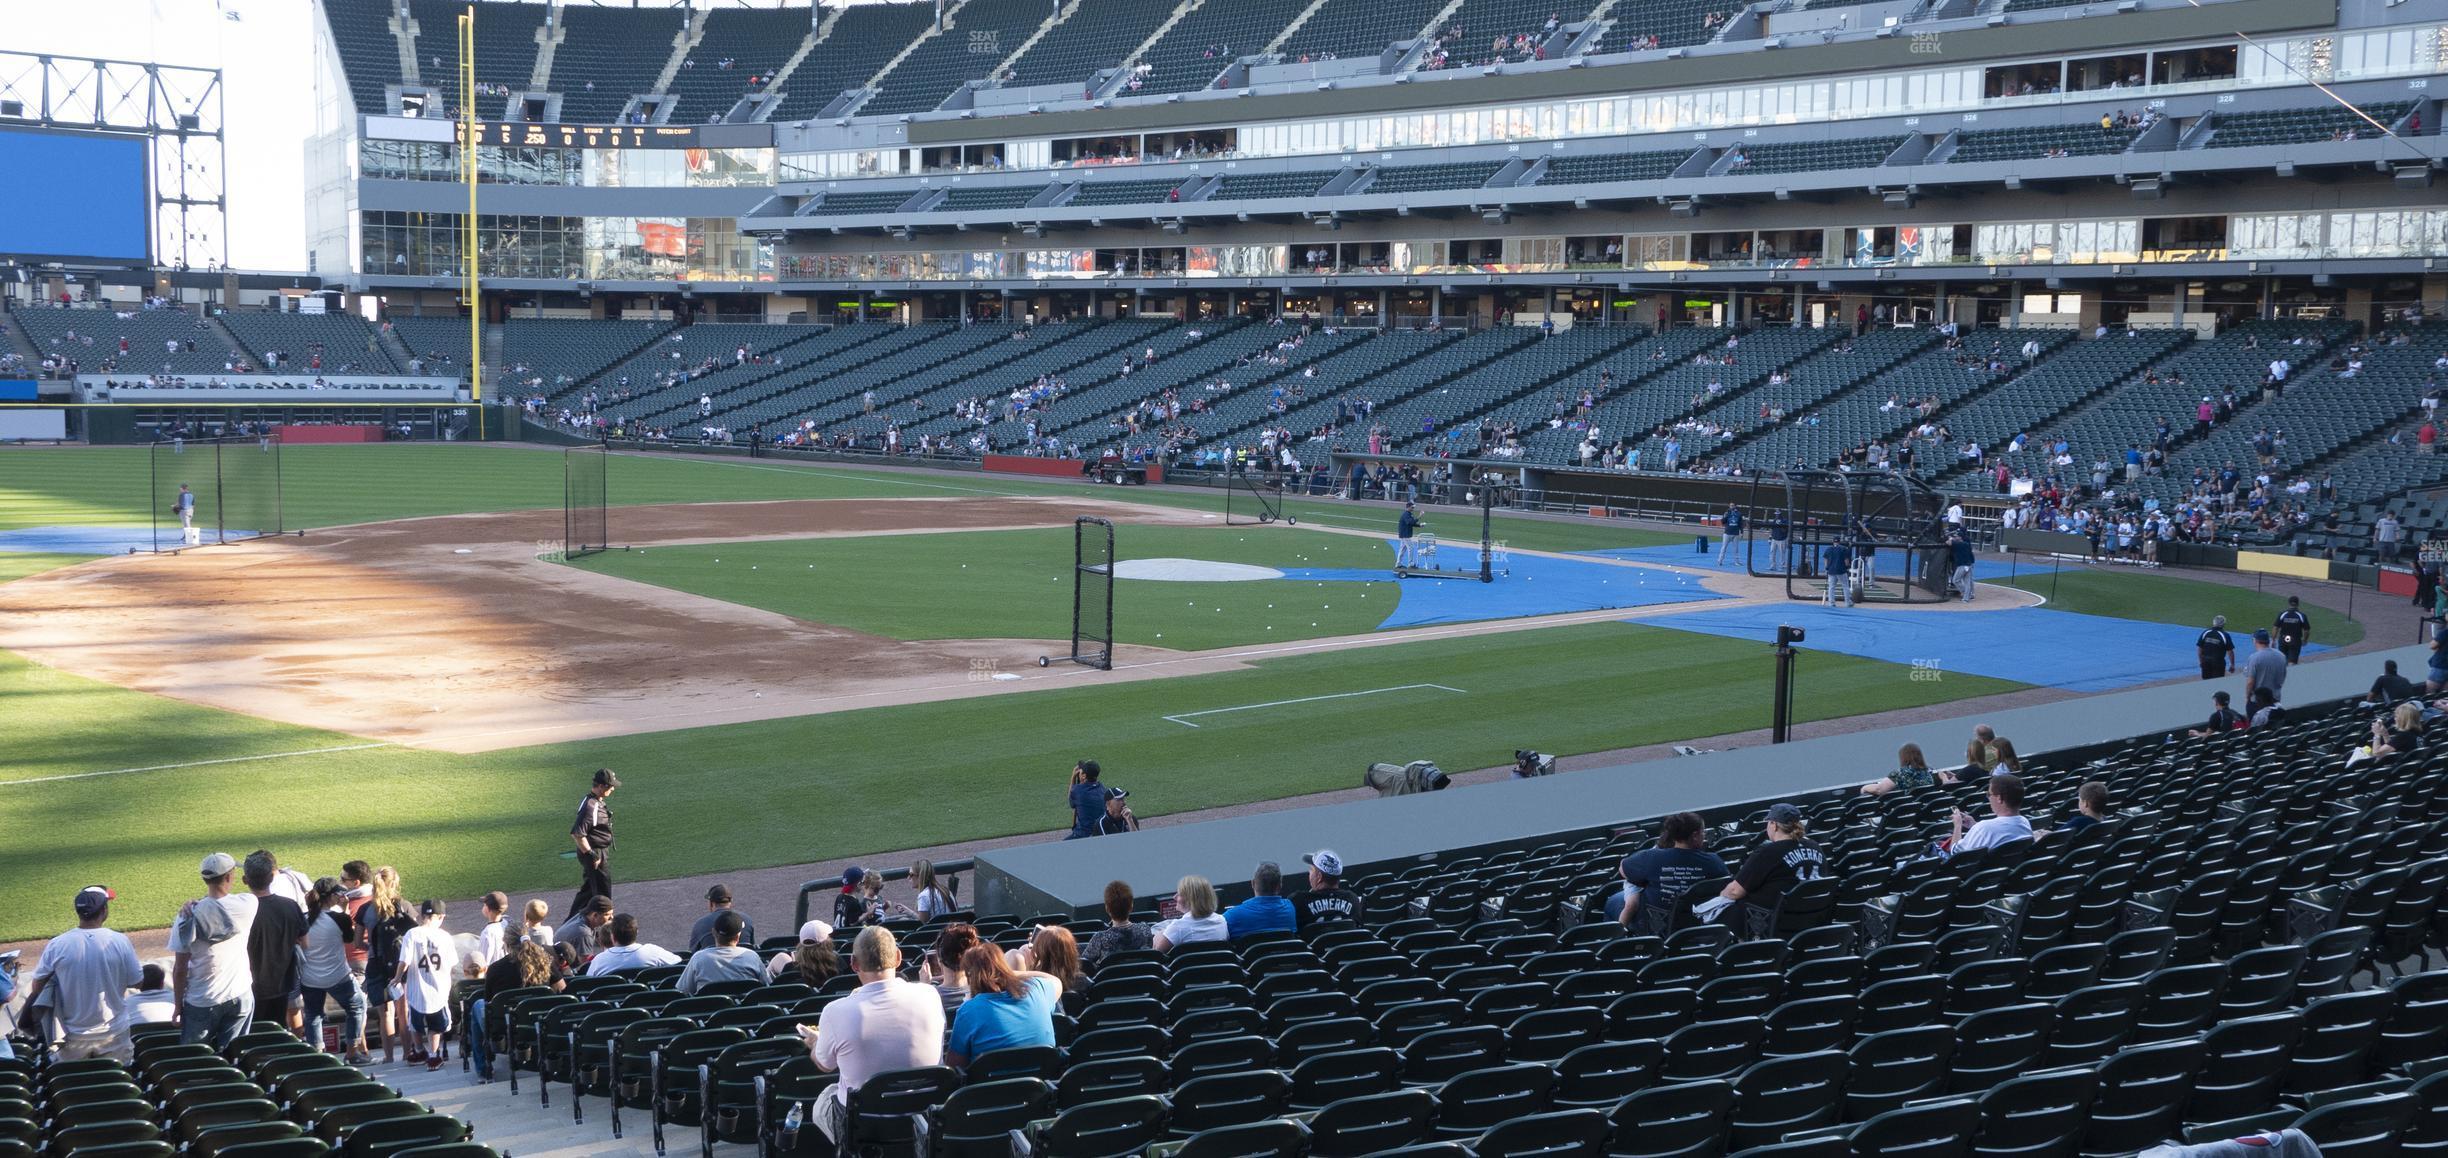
<point>195,764</point>
<point>1184,718</point>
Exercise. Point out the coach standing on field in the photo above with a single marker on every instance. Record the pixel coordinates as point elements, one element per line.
<point>592,832</point>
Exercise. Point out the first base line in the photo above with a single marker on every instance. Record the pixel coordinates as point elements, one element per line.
<point>1184,718</point>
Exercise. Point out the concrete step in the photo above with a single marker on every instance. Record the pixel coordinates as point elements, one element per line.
<point>518,1126</point>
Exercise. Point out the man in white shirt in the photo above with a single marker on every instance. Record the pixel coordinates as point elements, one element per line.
<point>626,954</point>
<point>86,972</point>
<point>885,1024</point>
<point>210,976</point>
<point>428,958</point>
<point>2006,823</point>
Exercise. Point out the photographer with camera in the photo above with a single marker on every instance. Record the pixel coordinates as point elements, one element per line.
<point>83,976</point>
<point>1527,764</point>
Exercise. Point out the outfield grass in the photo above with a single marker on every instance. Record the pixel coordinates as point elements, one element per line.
<point>847,784</point>
<point>1017,584</point>
<point>2169,599</point>
<point>330,485</point>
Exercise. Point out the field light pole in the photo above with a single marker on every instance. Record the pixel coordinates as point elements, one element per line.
<point>1781,723</point>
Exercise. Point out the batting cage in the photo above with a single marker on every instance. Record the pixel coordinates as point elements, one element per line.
<point>585,501</point>
<point>208,491</point>
<point>1092,579</point>
<point>1873,537</point>
<point>1253,497</point>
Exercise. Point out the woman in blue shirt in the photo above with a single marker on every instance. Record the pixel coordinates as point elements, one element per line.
<point>1007,1008</point>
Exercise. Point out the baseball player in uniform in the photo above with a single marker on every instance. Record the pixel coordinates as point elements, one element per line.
<point>2294,630</point>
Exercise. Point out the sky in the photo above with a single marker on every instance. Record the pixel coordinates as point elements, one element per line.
<point>267,76</point>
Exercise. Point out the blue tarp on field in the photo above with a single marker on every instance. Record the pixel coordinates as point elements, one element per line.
<point>2032,645</point>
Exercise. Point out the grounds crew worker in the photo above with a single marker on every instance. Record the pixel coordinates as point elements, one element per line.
<point>592,832</point>
<point>2216,649</point>
<point>1405,555</point>
<point>2294,628</point>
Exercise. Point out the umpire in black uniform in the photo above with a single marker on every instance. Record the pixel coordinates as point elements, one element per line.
<point>2294,630</point>
<point>2216,649</point>
<point>592,833</point>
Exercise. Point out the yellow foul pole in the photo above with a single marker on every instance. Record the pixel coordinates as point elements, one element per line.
<point>469,289</point>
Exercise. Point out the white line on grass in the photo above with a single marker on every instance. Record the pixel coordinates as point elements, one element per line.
<point>195,764</point>
<point>1184,718</point>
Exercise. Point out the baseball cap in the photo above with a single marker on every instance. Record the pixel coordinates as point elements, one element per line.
<point>852,876</point>
<point>605,778</point>
<point>91,899</point>
<point>2261,635</point>
<point>728,924</point>
<point>1325,862</point>
<point>219,864</point>
<point>815,931</point>
<point>430,909</point>
<point>1784,814</point>
<point>719,894</point>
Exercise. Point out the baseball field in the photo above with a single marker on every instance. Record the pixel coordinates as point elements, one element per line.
<point>790,663</point>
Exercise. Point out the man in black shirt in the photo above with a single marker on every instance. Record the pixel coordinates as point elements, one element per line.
<point>1786,857</point>
<point>272,944</point>
<point>2390,687</point>
<point>2216,650</point>
<point>2294,629</point>
<point>1325,899</point>
<point>592,833</point>
<point>2222,717</point>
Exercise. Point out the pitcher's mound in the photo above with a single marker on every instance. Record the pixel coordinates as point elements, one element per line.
<point>1192,571</point>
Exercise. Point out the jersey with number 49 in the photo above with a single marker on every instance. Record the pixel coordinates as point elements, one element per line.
<point>431,957</point>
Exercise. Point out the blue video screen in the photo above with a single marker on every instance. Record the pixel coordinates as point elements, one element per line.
<point>74,196</point>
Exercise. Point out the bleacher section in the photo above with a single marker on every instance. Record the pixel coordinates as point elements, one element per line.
<point>269,1093</point>
<point>1742,409</point>
<point>1098,35</point>
<point>2173,388</point>
<point>1252,186</point>
<point>1358,29</point>
<point>2320,413</point>
<point>1185,363</point>
<point>2082,371</point>
<point>1482,21</point>
<point>91,337</point>
<point>445,339</point>
<point>1441,417</point>
<point>1593,168</point>
<point>2249,942</point>
<point>369,53</point>
<point>755,40</point>
<point>1672,391</point>
<point>505,46</point>
<point>1885,406</point>
<point>842,204</point>
<point>1059,351</point>
<point>1120,192</point>
<point>1802,156</point>
<point>630,385</point>
<point>975,197</point>
<point>1675,23</point>
<point>884,367</point>
<point>1418,178</point>
<point>608,55</point>
<point>2300,126</point>
<point>1212,36</point>
<point>932,70</point>
<point>803,371</point>
<point>551,355</point>
<point>850,54</point>
<point>2028,144</point>
<point>347,344</point>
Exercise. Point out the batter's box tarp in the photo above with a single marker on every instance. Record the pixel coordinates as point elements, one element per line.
<point>78,540</point>
<point>1538,585</point>
<point>2031,645</point>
